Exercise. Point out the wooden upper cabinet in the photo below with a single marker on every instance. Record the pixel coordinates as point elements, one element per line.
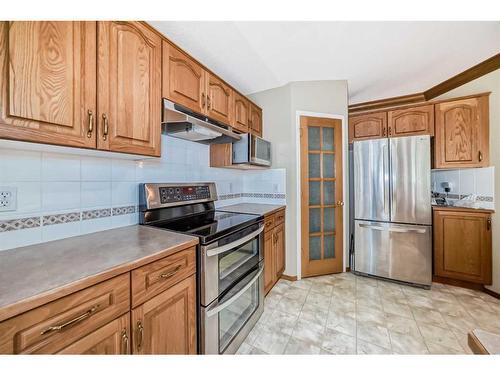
<point>462,245</point>
<point>166,324</point>
<point>368,126</point>
<point>219,99</point>
<point>48,82</point>
<point>129,86</point>
<point>241,113</point>
<point>411,121</point>
<point>462,133</point>
<point>183,79</point>
<point>255,123</point>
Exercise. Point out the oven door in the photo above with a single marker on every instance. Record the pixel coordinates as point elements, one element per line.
<point>227,260</point>
<point>260,151</point>
<point>226,322</point>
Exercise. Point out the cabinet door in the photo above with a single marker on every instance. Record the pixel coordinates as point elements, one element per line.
<point>462,245</point>
<point>269,274</point>
<point>279,249</point>
<point>129,86</point>
<point>241,113</point>
<point>411,121</point>
<point>48,82</point>
<point>368,126</point>
<point>166,324</point>
<point>255,120</point>
<point>219,100</point>
<point>183,79</point>
<point>113,338</point>
<point>462,133</point>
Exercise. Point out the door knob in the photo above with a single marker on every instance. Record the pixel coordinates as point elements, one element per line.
<point>340,203</point>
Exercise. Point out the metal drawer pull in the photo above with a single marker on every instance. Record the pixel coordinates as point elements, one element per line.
<point>166,275</point>
<point>388,229</point>
<point>125,341</point>
<point>105,121</point>
<point>91,123</point>
<point>234,244</point>
<point>140,334</point>
<point>73,321</point>
<point>222,306</point>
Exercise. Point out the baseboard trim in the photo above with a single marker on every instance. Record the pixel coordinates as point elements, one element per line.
<point>491,293</point>
<point>459,283</point>
<point>289,278</point>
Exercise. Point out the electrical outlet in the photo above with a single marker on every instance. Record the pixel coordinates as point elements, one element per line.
<point>8,198</point>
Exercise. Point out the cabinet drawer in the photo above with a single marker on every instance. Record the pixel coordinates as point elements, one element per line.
<point>55,325</point>
<point>269,222</point>
<point>158,276</point>
<point>279,217</point>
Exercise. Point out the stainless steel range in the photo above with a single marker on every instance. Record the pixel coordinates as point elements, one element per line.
<point>229,261</point>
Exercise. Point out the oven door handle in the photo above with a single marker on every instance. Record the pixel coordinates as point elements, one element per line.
<point>222,306</point>
<point>232,245</point>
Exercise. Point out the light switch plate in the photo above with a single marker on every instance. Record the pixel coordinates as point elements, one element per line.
<point>8,198</point>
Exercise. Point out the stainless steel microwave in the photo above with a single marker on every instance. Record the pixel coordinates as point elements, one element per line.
<point>252,150</point>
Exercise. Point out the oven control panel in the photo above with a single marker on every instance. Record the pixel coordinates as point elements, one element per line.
<point>173,194</point>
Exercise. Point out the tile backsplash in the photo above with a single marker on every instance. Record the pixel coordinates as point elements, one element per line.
<point>463,182</point>
<point>61,195</point>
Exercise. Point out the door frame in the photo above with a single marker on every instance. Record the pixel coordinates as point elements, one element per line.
<point>345,187</point>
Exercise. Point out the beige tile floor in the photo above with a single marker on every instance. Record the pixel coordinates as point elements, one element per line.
<point>348,314</point>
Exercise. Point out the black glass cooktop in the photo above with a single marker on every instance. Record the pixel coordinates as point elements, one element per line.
<point>210,225</point>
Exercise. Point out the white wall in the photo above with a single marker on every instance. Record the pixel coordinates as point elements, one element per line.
<point>489,82</point>
<point>280,107</point>
<point>62,195</point>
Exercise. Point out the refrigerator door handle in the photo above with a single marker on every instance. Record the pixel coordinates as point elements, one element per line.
<point>393,229</point>
<point>385,157</point>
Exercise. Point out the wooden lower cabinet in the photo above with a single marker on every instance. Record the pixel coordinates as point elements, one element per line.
<point>166,324</point>
<point>113,338</point>
<point>462,245</point>
<point>274,249</point>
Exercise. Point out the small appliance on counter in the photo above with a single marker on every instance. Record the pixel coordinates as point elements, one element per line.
<point>230,265</point>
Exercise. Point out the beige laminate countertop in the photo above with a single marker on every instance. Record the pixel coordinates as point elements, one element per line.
<point>458,208</point>
<point>253,208</point>
<point>34,275</point>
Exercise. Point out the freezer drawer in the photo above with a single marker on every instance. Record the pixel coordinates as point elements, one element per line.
<point>371,180</point>
<point>395,251</point>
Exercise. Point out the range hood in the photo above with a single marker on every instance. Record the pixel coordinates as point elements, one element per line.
<point>180,122</point>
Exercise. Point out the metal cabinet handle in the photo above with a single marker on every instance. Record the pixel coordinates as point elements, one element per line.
<point>125,341</point>
<point>91,123</point>
<point>488,224</point>
<point>208,102</point>
<point>480,156</point>
<point>203,100</point>
<point>167,275</point>
<point>105,125</point>
<point>140,335</point>
<point>71,322</point>
<point>234,244</point>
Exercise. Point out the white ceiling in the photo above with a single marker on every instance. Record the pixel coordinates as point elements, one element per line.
<point>378,59</point>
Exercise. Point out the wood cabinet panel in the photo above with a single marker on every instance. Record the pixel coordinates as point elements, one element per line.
<point>269,222</point>
<point>462,133</point>
<point>51,327</point>
<point>368,126</point>
<point>113,338</point>
<point>129,86</point>
<point>411,121</point>
<point>153,278</point>
<point>48,82</point>
<point>279,249</point>
<point>183,79</point>
<point>255,123</point>
<point>269,274</point>
<point>241,113</point>
<point>219,100</point>
<point>462,245</point>
<point>166,324</point>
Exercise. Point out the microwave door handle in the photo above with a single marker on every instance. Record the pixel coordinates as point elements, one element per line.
<point>222,306</point>
<point>232,245</point>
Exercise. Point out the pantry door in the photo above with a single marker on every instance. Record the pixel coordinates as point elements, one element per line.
<point>321,195</point>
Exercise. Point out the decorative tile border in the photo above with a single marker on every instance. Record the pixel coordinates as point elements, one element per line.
<point>16,224</point>
<point>46,220</point>
<point>481,198</point>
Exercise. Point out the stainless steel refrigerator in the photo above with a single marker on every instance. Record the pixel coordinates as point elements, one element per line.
<point>392,209</point>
